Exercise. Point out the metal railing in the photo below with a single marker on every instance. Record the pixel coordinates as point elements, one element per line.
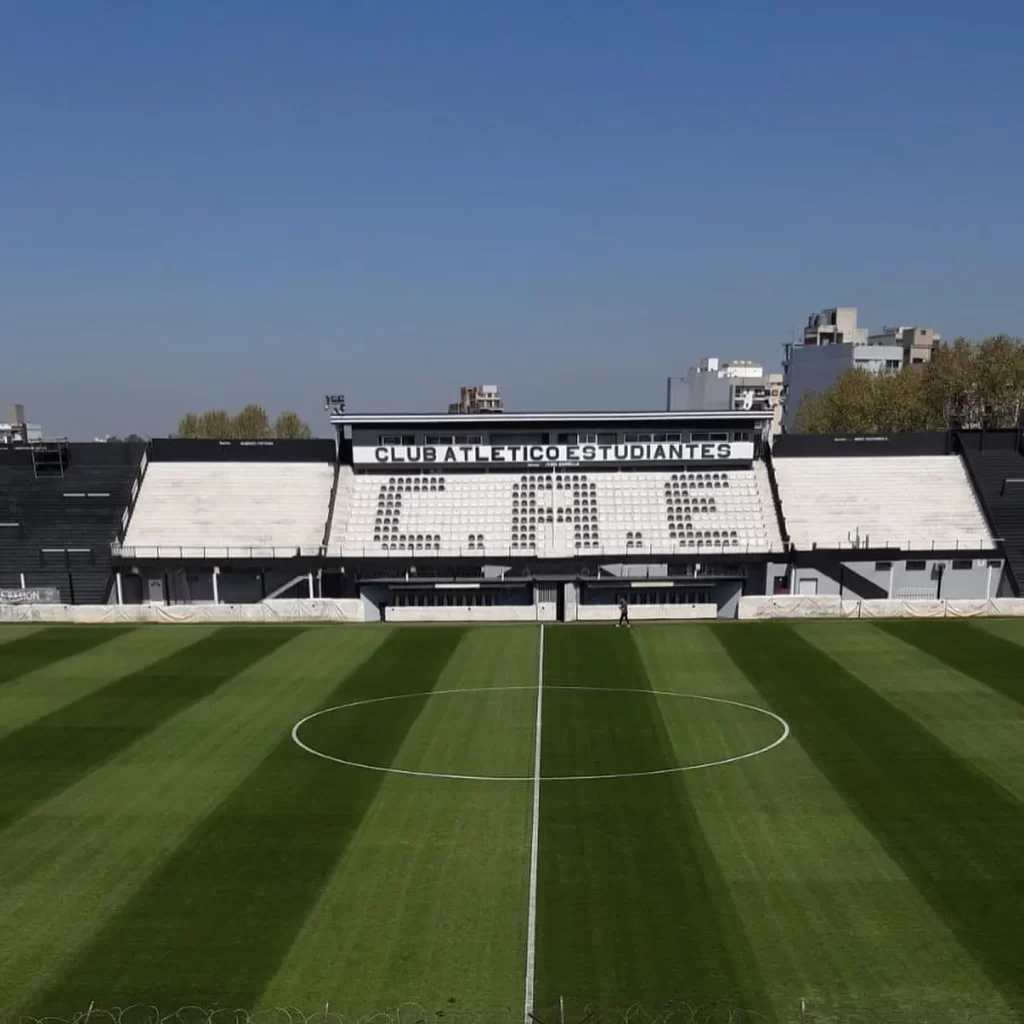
<point>908,544</point>
<point>558,554</point>
<point>426,571</point>
<point>476,551</point>
<point>172,552</point>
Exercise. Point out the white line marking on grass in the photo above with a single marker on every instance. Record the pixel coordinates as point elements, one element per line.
<point>531,921</point>
<point>544,778</point>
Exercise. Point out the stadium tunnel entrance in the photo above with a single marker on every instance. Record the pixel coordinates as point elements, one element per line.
<point>652,592</point>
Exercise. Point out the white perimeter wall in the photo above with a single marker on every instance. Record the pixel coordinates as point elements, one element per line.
<point>796,607</point>
<point>316,610</point>
<point>544,613</point>
<point>354,610</point>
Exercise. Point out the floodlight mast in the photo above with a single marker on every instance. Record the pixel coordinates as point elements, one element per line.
<point>334,404</point>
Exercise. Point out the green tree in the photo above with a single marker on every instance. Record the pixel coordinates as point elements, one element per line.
<point>966,385</point>
<point>864,403</point>
<point>288,427</point>
<point>251,424</point>
<point>999,375</point>
<point>216,424</point>
<point>810,417</point>
<point>848,407</point>
<point>950,382</point>
<point>901,403</point>
<point>188,425</point>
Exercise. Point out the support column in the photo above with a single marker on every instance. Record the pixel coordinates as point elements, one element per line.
<point>216,589</point>
<point>22,581</point>
<point>309,577</point>
<point>117,583</point>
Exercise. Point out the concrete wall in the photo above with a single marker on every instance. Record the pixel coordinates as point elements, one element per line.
<point>699,391</point>
<point>810,580</point>
<point>771,571</point>
<point>723,599</point>
<point>196,586</point>
<point>726,599</point>
<point>636,570</point>
<point>981,580</point>
<point>372,598</point>
<point>240,588</point>
<point>901,583</point>
<point>827,446</point>
<point>572,601</point>
<point>351,610</point>
<point>465,613</point>
<point>791,607</point>
<point>648,612</point>
<point>341,610</point>
<point>540,430</point>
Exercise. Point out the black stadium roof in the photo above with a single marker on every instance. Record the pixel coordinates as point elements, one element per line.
<point>496,419</point>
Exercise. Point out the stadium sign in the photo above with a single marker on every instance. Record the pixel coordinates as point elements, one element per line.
<point>554,454</point>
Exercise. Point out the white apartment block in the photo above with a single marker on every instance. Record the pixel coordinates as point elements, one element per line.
<point>833,343</point>
<point>477,398</point>
<point>714,384</point>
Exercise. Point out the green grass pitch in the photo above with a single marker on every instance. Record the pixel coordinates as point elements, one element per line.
<point>165,841</point>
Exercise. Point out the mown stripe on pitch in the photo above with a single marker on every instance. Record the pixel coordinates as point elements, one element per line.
<point>54,752</point>
<point>631,905</point>
<point>971,651</point>
<point>30,653</point>
<point>211,927</point>
<point>957,836</point>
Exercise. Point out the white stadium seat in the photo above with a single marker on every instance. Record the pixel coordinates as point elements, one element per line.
<point>556,513</point>
<point>919,502</point>
<point>268,508</point>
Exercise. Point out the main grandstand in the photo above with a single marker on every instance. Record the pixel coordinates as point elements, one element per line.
<point>552,516</point>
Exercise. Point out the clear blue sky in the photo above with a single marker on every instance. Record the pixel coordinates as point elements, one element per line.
<point>203,203</point>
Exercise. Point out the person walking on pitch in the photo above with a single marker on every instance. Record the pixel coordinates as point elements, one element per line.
<point>623,612</point>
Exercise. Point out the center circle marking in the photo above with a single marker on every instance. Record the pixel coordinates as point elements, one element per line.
<point>543,778</point>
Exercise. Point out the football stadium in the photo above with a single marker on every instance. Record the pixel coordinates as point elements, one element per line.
<point>516,517</point>
<point>675,675</point>
<point>347,730</point>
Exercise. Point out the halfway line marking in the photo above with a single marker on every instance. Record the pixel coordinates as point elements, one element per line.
<point>531,922</point>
